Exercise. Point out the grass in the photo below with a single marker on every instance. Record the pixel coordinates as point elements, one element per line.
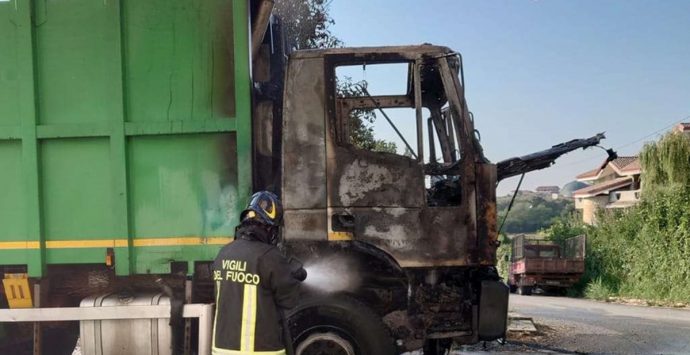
<point>598,290</point>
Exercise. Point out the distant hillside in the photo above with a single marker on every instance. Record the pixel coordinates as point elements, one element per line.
<point>531,212</point>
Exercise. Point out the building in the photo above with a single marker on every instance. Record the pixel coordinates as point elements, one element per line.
<point>614,184</point>
<point>683,127</point>
<point>551,191</point>
<point>548,190</point>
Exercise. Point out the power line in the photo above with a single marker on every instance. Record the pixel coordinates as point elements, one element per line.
<point>653,133</point>
<point>635,141</point>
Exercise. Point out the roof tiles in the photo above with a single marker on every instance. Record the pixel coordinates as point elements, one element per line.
<point>624,166</point>
<point>603,188</point>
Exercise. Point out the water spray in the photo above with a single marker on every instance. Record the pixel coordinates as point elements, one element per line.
<point>332,274</point>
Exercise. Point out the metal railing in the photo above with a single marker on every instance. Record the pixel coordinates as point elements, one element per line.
<point>204,312</point>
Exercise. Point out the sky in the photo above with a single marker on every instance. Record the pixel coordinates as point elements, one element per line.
<point>541,72</point>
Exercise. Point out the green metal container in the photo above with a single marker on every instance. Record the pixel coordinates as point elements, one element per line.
<point>124,124</point>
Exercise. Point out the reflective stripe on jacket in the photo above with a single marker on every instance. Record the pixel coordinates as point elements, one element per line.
<point>252,282</point>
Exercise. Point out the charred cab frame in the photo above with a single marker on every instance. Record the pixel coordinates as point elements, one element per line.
<point>428,260</point>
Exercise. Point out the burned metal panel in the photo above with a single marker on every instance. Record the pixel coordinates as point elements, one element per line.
<point>393,230</point>
<point>377,101</point>
<point>303,143</point>
<point>303,152</point>
<point>369,53</point>
<point>305,225</point>
<point>263,145</point>
<point>418,109</point>
<point>448,236</point>
<point>469,212</point>
<point>268,73</point>
<point>493,310</point>
<point>415,237</point>
<point>361,178</point>
<point>487,235</point>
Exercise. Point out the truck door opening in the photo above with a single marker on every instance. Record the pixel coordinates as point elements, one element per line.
<point>377,107</point>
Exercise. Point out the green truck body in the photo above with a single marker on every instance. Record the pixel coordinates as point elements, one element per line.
<point>125,128</point>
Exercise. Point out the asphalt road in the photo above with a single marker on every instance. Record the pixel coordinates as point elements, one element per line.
<point>568,325</point>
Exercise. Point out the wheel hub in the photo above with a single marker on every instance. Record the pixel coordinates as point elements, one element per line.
<point>325,344</point>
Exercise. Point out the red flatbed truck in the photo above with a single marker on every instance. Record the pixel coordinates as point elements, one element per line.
<point>545,264</point>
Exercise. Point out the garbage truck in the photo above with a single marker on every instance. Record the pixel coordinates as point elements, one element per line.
<point>133,132</point>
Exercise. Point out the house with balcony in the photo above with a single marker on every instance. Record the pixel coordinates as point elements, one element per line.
<point>613,184</point>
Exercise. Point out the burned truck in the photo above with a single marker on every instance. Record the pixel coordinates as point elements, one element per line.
<point>418,228</point>
<point>427,270</point>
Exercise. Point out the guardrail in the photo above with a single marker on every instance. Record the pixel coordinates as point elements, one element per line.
<point>204,312</point>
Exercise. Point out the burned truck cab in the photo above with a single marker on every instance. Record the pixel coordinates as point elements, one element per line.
<point>426,211</point>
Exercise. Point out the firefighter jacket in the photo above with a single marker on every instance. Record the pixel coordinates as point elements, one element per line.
<point>252,283</point>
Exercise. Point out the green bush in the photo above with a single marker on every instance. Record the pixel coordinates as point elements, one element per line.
<point>565,227</point>
<point>502,253</point>
<point>641,252</point>
<point>597,290</point>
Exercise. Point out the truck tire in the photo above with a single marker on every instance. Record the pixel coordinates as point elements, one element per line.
<point>524,290</point>
<point>512,288</point>
<point>339,325</point>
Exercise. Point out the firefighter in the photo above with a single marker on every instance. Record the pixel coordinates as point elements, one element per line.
<point>254,283</point>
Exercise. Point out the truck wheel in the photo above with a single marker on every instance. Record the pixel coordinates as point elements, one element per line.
<point>339,326</point>
<point>512,288</point>
<point>524,290</point>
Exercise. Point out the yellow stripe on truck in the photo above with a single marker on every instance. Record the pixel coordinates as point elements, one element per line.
<point>19,245</point>
<point>115,243</point>
<point>150,242</point>
<point>96,243</point>
<point>335,236</point>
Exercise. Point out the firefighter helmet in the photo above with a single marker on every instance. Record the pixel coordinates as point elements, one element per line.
<point>265,207</point>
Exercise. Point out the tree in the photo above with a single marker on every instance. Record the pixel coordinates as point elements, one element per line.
<point>532,212</point>
<point>306,26</point>
<point>362,120</point>
<point>565,227</point>
<point>306,23</point>
<point>666,162</point>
